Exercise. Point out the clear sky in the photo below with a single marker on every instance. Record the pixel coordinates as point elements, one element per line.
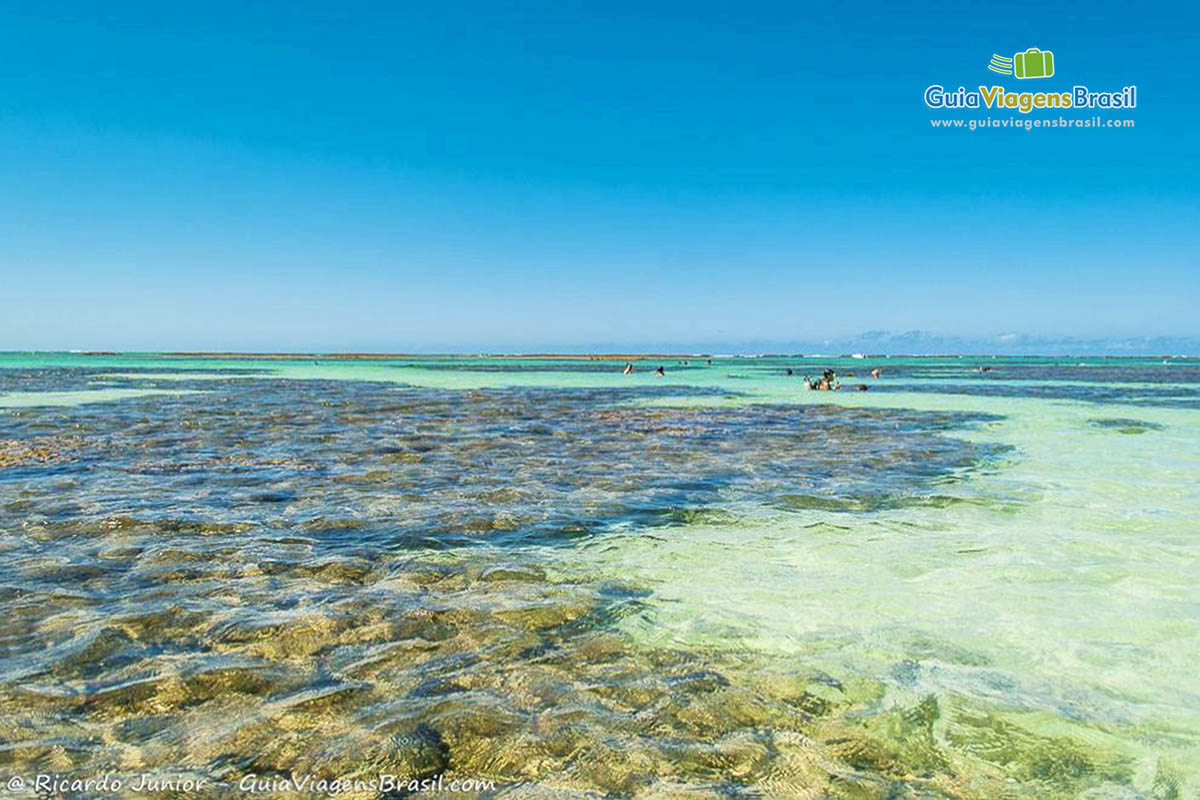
<point>491,176</point>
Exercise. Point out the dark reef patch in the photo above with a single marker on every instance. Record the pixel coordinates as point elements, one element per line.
<point>1124,425</point>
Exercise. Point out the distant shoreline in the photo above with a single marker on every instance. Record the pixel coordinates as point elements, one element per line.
<point>370,356</point>
<point>573,356</point>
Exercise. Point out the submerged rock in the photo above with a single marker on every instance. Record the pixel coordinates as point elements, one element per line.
<point>1125,425</point>
<point>39,451</point>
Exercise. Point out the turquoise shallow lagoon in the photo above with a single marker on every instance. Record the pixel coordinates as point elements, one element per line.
<point>976,579</point>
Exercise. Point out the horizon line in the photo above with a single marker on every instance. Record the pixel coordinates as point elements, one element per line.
<point>579,355</point>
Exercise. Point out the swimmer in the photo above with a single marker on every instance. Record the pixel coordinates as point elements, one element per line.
<point>789,372</point>
<point>808,384</point>
<point>828,382</point>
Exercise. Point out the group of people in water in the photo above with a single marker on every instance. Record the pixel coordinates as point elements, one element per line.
<point>827,383</point>
<point>659,371</point>
<point>830,383</point>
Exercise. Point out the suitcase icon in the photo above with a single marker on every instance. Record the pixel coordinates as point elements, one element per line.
<point>1033,63</point>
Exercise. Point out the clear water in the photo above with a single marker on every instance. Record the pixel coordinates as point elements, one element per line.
<point>960,583</point>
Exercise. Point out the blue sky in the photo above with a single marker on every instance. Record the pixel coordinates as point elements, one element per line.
<point>462,176</point>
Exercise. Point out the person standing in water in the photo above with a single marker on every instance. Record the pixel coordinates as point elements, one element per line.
<point>628,369</point>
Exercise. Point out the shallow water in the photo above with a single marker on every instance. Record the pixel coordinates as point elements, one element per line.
<point>961,583</point>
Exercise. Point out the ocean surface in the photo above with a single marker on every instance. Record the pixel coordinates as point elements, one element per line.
<point>978,579</point>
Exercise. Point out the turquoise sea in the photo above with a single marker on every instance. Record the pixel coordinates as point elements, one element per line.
<point>978,579</point>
